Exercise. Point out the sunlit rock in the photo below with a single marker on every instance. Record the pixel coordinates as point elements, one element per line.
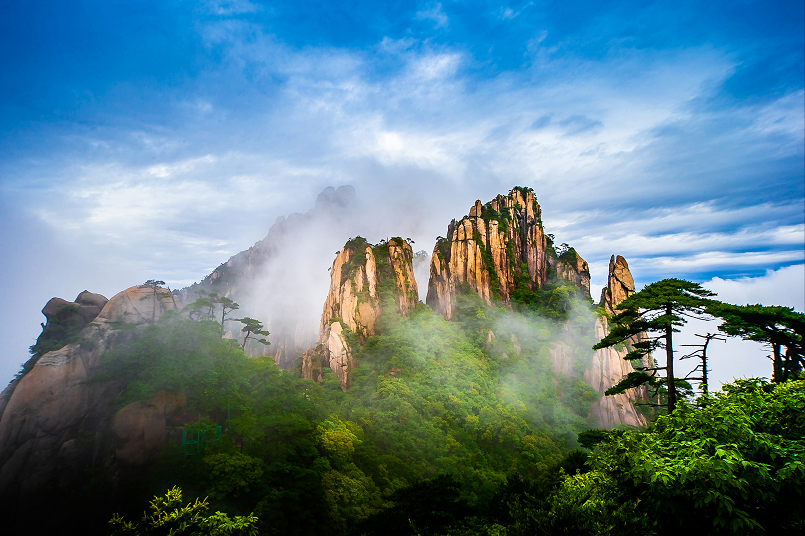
<point>496,246</point>
<point>365,281</point>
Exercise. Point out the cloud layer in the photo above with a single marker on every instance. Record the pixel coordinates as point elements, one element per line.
<point>157,143</point>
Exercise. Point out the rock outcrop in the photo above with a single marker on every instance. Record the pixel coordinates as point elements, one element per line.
<point>139,305</point>
<point>140,428</point>
<point>87,305</point>
<point>55,421</point>
<point>365,281</point>
<point>497,248</point>
<point>571,267</point>
<point>65,320</point>
<point>608,365</point>
<point>619,284</point>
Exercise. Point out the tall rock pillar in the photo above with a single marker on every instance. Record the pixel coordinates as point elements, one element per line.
<point>499,247</point>
<point>608,364</point>
<point>365,281</point>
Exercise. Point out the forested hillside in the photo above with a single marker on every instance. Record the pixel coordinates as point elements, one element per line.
<point>510,404</point>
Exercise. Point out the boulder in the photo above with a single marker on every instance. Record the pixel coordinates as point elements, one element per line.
<point>620,284</point>
<point>55,421</point>
<point>137,305</point>
<point>140,428</point>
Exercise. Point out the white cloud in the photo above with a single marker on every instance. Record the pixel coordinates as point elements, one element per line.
<point>231,7</point>
<point>785,286</point>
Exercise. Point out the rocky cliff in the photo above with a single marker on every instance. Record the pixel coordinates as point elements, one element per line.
<point>56,422</point>
<point>365,281</point>
<point>497,248</point>
<point>608,365</point>
<point>65,320</point>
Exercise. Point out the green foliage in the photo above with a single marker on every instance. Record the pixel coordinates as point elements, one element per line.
<point>590,438</point>
<point>652,316</point>
<point>357,248</point>
<point>779,327</point>
<point>232,473</point>
<point>486,256</point>
<point>736,465</point>
<point>442,248</point>
<point>227,306</point>
<point>569,256</point>
<point>252,327</point>
<point>524,190</point>
<point>503,217</point>
<point>428,507</point>
<point>174,354</point>
<point>167,516</point>
<point>202,308</point>
<point>387,288</point>
<point>476,399</point>
<point>582,504</point>
<point>460,428</point>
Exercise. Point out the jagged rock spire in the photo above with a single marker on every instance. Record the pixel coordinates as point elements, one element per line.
<point>496,246</point>
<point>365,280</point>
<point>620,284</point>
<point>608,365</point>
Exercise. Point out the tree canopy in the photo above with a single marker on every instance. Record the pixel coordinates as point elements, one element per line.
<point>647,321</point>
<point>779,327</point>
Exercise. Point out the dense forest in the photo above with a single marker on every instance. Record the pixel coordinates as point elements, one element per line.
<point>445,430</point>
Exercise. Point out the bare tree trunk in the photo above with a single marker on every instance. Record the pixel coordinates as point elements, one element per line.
<point>779,374</point>
<point>669,357</point>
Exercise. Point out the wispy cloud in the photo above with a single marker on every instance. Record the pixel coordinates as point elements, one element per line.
<point>179,149</point>
<point>433,13</point>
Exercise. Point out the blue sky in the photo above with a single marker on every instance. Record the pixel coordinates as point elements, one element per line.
<point>156,139</point>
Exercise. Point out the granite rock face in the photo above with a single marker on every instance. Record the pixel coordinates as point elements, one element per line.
<point>87,305</point>
<point>497,246</point>
<point>137,305</point>
<point>571,267</point>
<point>56,422</point>
<point>365,281</point>
<point>608,365</point>
<point>65,320</point>
<point>620,284</point>
<point>140,429</point>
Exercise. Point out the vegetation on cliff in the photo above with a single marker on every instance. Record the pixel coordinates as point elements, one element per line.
<point>429,398</point>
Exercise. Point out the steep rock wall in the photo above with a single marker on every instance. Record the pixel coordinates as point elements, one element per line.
<point>65,320</point>
<point>571,267</point>
<point>365,280</point>
<point>497,246</point>
<point>55,421</point>
<point>608,365</point>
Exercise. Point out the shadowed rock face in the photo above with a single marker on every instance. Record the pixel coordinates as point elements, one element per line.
<point>87,305</point>
<point>56,422</point>
<point>65,320</point>
<point>608,365</point>
<point>492,247</point>
<point>364,280</point>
